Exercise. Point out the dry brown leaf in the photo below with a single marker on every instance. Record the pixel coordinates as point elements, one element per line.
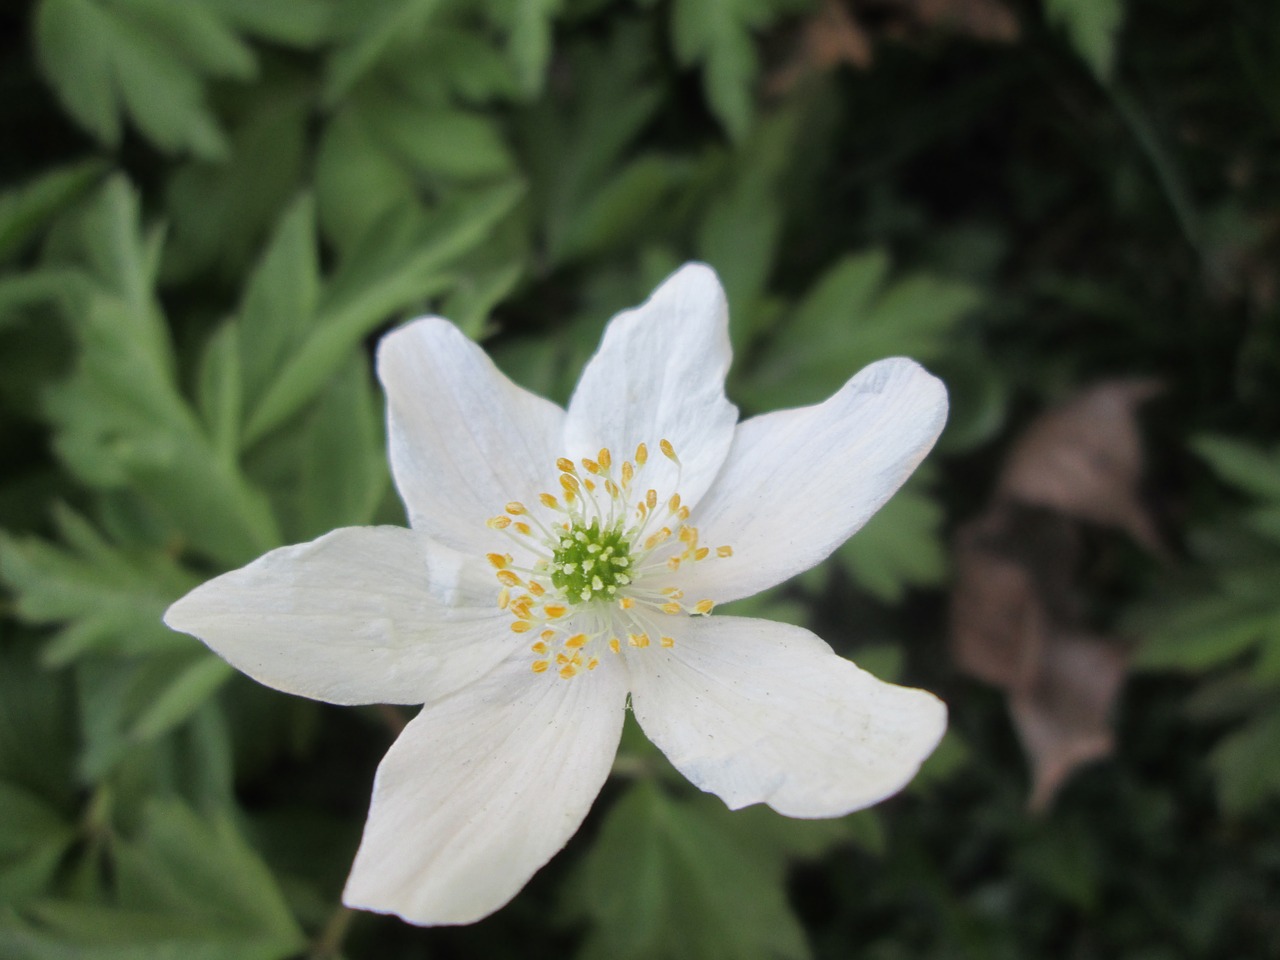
<point>1084,458</point>
<point>828,39</point>
<point>1017,605</point>
<point>1064,719</point>
<point>980,19</point>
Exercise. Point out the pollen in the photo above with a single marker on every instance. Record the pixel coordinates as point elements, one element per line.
<point>597,564</point>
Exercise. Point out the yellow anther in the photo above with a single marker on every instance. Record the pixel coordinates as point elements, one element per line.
<point>654,539</point>
<point>507,578</point>
<point>586,482</point>
<point>651,499</point>
<point>524,528</point>
<point>593,663</point>
<point>675,593</point>
<point>576,641</point>
<point>540,666</point>
<point>688,534</point>
<point>565,465</point>
<point>548,501</point>
<point>642,454</point>
<point>683,513</point>
<point>626,603</point>
<point>725,551</point>
<point>591,465</point>
<point>668,450</point>
<point>605,458</point>
<point>562,659</point>
<point>516,508</point>
<point>701,553</point>
<point>628,473</point>
<point>674,503</point>
<point>672,607</point>
<point>499,560</point>
<point>614,645</point>
<point>703,606</point>
<point>504,597</point>
<point>668,641</point>
<point>536,588</point>
<point>611,488</point>
<point>547,634</point>
<point>555,611</point>
<point>638,640</point>
<point>570,483</point>
<point>673,563</point>
<point>568,671</point>
<point>520,608</point>
<point>498,523</point>
<point>539,648</point>
<point>521,626</point>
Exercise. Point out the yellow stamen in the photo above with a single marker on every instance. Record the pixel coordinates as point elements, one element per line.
<point>642,455</point>
<point>628,473</point>
<point>703,606</point>
<point>568,671</point>
<point>626,603</point>
<point>498,523</point>
<point>576,641</point>
<point>507,578</point>
<point>548,501</point>
<point>668,450</point>
<point>504,597</point>
<point>591,465</point>
<point>516,508</point>
<point>614,645</point>
<point>670,608</point>
<point>593,663</point>
<point>638,640</point>
<point>725,551</point>
<point>499,560</point>
<point>539,648</point>
<point>522,527</point>
<point>521,626</point>
<point>674,503</point>
<point>651,499</point>
<point>570,483</point>
<point>540,666</point>
<point>536,588</point>
<point>565,465</point>
<point>701,553</point>
<point>668,641</point>
<point>605,458</point>
<point>673,563</point>
<point>555,611</point>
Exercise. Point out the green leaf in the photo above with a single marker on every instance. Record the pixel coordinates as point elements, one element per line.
<point>716,34</point>
<point>186,888</point>
<point>528,28</point>
<point>37,728</point>
<point>901,546</point>
<point>219,213</point>
<point>687,878</point>
<point>26,209</point>
<point>397,267</point>
<point>102,598</point>
<point>1245,466</point>
<point>1093,27</point>
<point>1246,765</point>
<point>375,28</point>
<point>185,692</point>
<point>151,59</point>
<point>33,839</point>
<point>1202,630</point>
<point>343,461</point>
<point>855,314</point>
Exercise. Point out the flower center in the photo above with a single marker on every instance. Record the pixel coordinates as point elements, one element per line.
<point>591,561</point>
<point>600,562</point>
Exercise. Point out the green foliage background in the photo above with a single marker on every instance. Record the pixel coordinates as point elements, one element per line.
<point>211,208</point>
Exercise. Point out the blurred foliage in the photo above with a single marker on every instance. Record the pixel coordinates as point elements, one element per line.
<point>209,209</point>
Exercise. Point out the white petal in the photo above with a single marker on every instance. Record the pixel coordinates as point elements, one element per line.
<point>659,375</point>
<point>361,615</point>
<point>464,440</point>
<point>483,788</point>
<point>798,483</point>
<point>761,712</point>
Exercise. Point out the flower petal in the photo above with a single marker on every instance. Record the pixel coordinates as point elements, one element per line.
<point>361,615</point>
<point>464,440</point>
<point>761,712</point>
<point>798,483</point>
<point>482,789</point>
<point>659,375</point>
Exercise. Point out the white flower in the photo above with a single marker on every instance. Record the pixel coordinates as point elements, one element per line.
<point>559,561</point>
